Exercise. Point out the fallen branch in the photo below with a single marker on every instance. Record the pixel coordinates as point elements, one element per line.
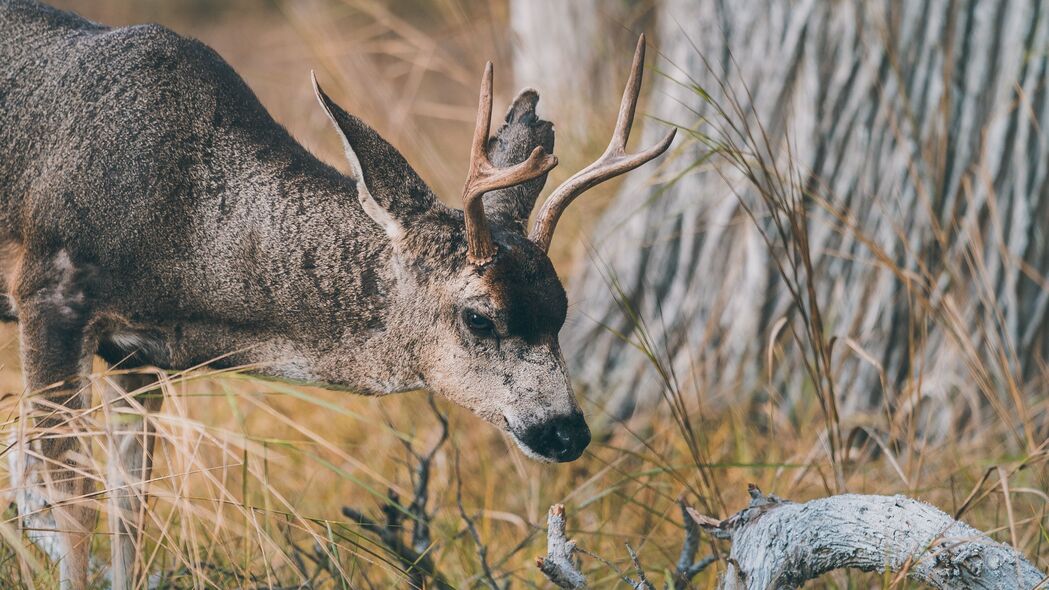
<point>780,544</point>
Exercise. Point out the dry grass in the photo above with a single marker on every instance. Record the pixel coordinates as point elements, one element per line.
<point>250,470</point>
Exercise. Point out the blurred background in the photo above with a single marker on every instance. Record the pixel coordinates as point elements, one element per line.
<point>837,280</point>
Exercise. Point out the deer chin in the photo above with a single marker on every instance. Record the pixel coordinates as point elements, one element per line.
<point>528,452</point>
<point>510,431</point>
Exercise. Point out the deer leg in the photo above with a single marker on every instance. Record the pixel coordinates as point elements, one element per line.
<point>53,468</point>
<point>131,437</point>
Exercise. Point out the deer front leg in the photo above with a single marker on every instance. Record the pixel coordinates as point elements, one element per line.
<point>53,475</point>
<point>131,438</point>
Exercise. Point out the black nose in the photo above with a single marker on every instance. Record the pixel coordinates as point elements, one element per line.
<point>561,438</point>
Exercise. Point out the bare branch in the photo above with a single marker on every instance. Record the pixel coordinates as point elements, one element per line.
<point>560,565</point>
<point>414,556</point>
<point>642,582</point>
<point>417,566</point>
<point>687,568</point>
<point>482,549</point>
<point>417,509</point>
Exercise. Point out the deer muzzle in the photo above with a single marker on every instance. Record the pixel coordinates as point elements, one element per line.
<point>560,438</point>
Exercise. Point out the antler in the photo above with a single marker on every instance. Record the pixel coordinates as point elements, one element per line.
<point>484,177</point>
<point>612,163</point>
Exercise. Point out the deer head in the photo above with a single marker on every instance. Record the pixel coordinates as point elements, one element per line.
<point>482,300</point>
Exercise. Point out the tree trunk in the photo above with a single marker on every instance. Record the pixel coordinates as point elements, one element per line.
<point>558,48</point>
<point>916,131</point>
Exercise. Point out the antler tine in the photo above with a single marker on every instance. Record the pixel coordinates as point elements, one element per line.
<point>612,163</point>
<point>628,104</point>
<point>484,177</point>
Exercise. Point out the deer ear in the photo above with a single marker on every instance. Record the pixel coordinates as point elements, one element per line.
<point>390,191</point>
<point>522,131</point>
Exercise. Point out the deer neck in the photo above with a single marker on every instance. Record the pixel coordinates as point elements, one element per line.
<point>321,287</point>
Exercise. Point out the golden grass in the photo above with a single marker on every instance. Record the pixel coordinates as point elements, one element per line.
<point>248,470</point>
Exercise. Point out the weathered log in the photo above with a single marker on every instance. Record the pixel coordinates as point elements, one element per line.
<point>780,544</point>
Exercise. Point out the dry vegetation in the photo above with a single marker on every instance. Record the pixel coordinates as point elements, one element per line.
<point>252,476</point>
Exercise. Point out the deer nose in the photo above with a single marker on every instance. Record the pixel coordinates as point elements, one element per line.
<point>561,438</point>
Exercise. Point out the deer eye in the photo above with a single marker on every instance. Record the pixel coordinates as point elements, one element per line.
<point>478,324</point>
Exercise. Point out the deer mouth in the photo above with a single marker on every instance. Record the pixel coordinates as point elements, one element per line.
<point>558,439</point>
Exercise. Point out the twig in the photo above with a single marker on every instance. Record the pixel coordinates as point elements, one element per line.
<point>687,568</point>
<point>415,555</point>
<point>482,549</point>
<point>559,565</point>
<point>642,582</point>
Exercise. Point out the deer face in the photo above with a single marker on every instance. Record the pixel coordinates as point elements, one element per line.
<point>495,350</point>
<point>488,302</point>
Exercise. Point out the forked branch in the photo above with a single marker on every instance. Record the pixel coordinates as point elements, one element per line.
<point>614,162</point>
<point>414,554</point>
<point>484,177</point>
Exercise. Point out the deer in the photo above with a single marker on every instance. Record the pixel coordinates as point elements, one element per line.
<point>154,214</point>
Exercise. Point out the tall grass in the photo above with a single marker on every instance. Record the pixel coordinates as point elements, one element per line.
<point>252,476</point>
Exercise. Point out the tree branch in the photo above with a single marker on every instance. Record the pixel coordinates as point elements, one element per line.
<point>560,565</point>
<point>413,555</point>
<point>687,568</point>
<point>482,549</point>
<point>780,544</point>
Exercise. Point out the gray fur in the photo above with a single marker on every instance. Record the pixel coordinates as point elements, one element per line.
<point>152,211</point>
